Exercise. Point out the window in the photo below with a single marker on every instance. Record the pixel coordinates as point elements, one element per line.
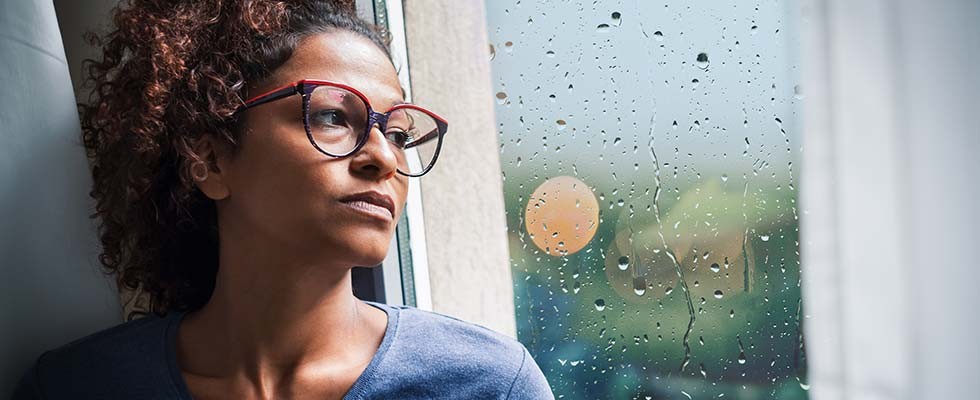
<point>650,163</point>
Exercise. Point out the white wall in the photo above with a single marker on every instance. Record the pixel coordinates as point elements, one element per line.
<point>889,191</point>
<point>51,289</point>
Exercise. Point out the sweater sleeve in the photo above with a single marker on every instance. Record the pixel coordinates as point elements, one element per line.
<point>530,383</point>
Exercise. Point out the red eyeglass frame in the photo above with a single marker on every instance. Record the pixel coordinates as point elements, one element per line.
<point>305,87</point>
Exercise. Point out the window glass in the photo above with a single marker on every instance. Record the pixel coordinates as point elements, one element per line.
<point>650,154</point>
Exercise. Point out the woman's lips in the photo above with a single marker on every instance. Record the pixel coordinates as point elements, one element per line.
<point>365,208</point>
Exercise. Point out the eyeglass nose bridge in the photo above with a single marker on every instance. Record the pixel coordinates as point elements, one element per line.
<point>381,120</point>
<point>376,118</point>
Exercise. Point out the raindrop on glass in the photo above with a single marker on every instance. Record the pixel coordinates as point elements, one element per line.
<point>561,124</point>
<point>624,263</point>
<point>493,52</point>
<point>715,267</point>
<point>659,36</point>
<point>741,357</point>
<point>719,294</point>
<point>602,28</point>
<point>765,238</point>
<point>617,18</point>
<point>501,97</point>
<point>639,285</point>
<point>702,60</point>
<point>600,304</point>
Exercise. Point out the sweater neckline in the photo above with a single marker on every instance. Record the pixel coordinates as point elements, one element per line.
<point>182,391</point>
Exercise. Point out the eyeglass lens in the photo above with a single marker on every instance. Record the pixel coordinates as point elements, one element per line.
<point>337,119</point>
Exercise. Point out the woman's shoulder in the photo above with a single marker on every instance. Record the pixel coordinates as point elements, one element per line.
<point>432,352</point>
<point>128,333</point>
<point>104,363</point>
<point>143,337</point>
<point>430,328</point>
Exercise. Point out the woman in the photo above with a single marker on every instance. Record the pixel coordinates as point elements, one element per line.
<point>241,219</point>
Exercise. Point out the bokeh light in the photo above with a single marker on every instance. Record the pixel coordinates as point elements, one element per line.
<point>562,216</point>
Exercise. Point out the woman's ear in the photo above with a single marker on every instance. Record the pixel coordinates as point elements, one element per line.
<point>205,168</point>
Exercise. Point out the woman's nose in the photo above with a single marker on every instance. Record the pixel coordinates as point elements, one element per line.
<point>377,157</point>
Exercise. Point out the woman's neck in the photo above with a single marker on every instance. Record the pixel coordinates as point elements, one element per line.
<point>270,321</point>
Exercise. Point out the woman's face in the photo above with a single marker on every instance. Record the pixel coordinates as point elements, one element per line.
<point>282,189</point>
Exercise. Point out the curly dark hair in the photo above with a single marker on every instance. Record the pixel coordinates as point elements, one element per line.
<point>173,72</point>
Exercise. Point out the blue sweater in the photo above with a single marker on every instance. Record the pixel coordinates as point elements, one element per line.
<point>423,355</point>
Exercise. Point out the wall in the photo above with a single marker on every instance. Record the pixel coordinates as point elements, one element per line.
<point>462,197</point>
<point>52,290</point>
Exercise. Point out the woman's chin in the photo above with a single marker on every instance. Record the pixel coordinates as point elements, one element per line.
<point>364,255</point>
<point>369,263</point>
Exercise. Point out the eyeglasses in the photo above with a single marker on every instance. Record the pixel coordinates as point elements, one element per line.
<point>338,121</point>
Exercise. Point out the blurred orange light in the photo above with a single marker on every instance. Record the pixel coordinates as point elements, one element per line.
<point>562,216</point>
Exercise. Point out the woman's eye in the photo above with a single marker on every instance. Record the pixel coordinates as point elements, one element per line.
<point>399,137</point>
<point>329,117</point>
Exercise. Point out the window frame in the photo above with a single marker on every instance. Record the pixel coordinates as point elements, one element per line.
<point>403,276</point>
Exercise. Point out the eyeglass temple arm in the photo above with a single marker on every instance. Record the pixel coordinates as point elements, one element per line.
<point>268,97</point>
<point>440,129</point>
